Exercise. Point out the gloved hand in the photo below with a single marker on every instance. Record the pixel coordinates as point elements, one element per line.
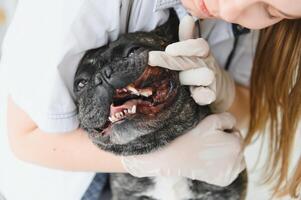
<point>209,84</point>
<point>206,153</point>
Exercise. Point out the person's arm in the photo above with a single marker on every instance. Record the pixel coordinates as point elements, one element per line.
<point>74,151</point>
<point>70,151</point>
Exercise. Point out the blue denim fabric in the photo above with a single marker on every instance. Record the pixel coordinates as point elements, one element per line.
<point>96,187</point>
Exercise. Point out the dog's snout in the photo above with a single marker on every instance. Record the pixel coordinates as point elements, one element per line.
<point>103,76</point>
<point>98,79</point>
<point>107,72</point>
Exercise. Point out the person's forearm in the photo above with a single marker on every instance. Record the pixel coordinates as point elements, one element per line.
<point>71,151</point>
<point>241,106</point>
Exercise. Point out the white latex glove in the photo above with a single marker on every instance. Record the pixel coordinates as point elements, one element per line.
<point>206,153</point>
<point>209,84</point>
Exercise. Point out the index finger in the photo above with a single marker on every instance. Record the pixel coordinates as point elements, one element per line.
<point>192,47</point>
<point>178,63</point>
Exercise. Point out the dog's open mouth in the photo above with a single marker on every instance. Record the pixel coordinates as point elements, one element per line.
<point>149,94</point>
<point>152,92</point>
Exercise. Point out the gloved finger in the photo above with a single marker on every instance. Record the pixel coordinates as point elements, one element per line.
<point>178,63</point>
<point>186,28</point>
<point>192,47</point>
<point>242,164</point>
<point>202,95</point>
<point>236,169</point>
<point>202,76</point>
<point>236,132</point>
<point>223,121</point>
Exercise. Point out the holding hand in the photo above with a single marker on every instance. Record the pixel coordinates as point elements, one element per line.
<point>207,153</point>
<point>209,84</point>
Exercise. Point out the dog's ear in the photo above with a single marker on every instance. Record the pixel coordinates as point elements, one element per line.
<point>169,30</point>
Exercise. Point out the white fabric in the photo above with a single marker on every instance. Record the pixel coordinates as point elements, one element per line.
<point>48,38</point>
<point>24,181</point>
<point>256,155</point>
<point>43,40</point>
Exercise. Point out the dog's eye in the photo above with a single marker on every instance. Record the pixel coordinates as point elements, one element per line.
<point>131,50</point>
<point>81,84</point>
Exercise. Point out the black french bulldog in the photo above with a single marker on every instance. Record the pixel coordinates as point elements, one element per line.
<point>130,108</point>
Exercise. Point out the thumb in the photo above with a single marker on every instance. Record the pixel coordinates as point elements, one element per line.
<point>192,47</point>
<point>186,28</point>
<point>178,63</point>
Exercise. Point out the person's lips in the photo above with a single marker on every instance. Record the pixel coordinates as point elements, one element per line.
<point>204,9</point>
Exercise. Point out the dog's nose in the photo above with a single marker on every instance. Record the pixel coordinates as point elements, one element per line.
<point>98,79</point>
<point>107,72</point>
<point>105,76</point>
<point>108,77</point>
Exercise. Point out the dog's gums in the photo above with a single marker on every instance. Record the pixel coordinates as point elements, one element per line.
<point>153,91</point>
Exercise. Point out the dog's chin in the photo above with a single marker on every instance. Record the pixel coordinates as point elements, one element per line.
<point>138,109</point>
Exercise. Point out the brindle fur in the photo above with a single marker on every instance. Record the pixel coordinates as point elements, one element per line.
<point>108,68</point>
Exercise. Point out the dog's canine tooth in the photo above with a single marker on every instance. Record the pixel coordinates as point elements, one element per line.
<point>134,109</point>
<point>133,90</point>
<point>117,115</point>
<point>146,93</point>
<point>113,119</point>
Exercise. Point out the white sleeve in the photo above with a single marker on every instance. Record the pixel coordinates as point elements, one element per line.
<point>45,42</point>
<point>41,51</point>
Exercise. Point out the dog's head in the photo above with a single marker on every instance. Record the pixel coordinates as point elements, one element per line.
<point>126,106</point>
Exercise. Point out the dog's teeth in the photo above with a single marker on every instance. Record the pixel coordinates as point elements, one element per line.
<point>119,115</point>
<point>134,109</point>
<point>133,90</point>
<point>129,111</point>
<point>146,93</point>
<point>113,119</point>
<point>125,111</point>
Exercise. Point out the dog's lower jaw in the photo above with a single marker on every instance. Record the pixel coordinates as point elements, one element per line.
<point>142,136</point>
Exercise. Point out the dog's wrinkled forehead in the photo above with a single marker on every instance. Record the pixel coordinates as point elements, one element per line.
<point>121,49</point>
<point>118,52</point>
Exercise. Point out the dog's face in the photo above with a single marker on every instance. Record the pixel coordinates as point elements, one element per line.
<point>126,106</point>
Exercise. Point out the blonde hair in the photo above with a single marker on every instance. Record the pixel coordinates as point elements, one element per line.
<point>276,101</point>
